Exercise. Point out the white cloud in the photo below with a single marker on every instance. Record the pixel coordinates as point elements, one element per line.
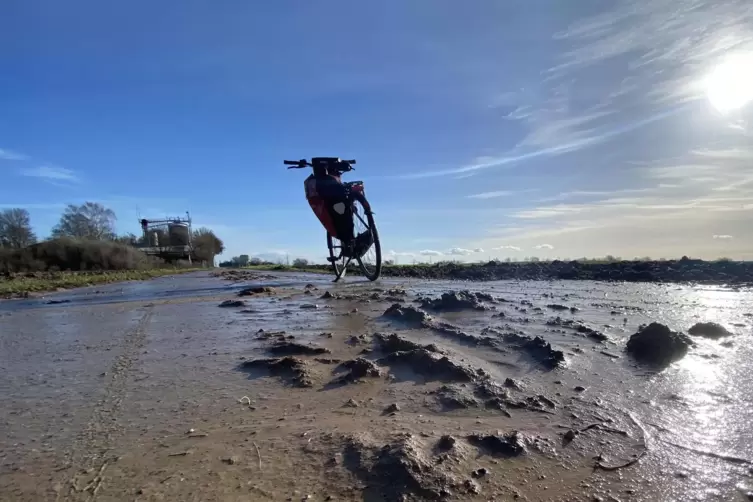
<point>490,195</point>
<point>544,246</point>
<point>505,248</point>
<point>50,173</point>
<point>464,252</point>
<point>399,253</point>
<point>11,155</point>
<point>723,237</point>
<point>430,252</point>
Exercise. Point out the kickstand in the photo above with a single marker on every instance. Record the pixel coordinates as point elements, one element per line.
<point>345,270</point>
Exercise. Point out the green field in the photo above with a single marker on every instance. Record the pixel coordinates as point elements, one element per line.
<point>22,284</point>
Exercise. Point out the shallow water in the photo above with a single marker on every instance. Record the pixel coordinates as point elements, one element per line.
<point>179,352</point>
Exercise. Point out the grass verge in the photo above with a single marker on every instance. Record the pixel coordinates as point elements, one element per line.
<point>22,285</point>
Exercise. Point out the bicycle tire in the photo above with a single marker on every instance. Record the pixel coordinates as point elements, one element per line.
<point>373,274</point>
<point>341,268</point>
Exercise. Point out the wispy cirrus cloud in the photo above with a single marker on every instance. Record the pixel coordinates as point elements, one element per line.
<point>430,252</point>
<point>723,237</point>
<point>50,173</point>
<point>506,248</point>
<point>633,64</point>
<point>544,246</point>
<point>11,155</point>
<point>490,195</point>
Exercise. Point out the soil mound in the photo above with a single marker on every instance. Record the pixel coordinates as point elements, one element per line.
<point>293,370</point>
<point>709,330</point>
<point>657,344</point>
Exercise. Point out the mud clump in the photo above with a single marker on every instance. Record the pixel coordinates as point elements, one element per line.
<point>511,444</point>
<point>446,442</point>
<point>709,330</point>
<point>255,290</point>
<point>659,345</point>
<point>452,397</point>
<point>357,340</point>
<point>232,304</point>
<point>537,348</point>
<point>457,300</point>
<point>396,343</point>
<point>359,368</point>
<point>399,471</point>
<point>296,349</point>
<point>407,314</point>
<point>295,371</point>
<point>557,306</point>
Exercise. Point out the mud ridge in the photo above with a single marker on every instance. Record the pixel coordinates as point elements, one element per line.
<point>536,347</point>
<point>579,328</point>
<point>417,318</point>
<point>296,349</point>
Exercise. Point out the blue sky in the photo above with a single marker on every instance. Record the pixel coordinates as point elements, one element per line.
<point>538,127</point>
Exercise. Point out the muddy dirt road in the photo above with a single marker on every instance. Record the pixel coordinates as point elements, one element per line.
<point>371,391</point>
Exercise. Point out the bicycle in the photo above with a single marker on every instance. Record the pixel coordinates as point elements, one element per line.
<point>340,256</point>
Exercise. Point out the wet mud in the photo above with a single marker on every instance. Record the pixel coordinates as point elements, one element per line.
<point>399,390</point>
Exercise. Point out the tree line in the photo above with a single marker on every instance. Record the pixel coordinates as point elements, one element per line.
<point>91,221</point>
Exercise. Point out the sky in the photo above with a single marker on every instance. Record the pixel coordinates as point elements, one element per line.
<point>482,129</point>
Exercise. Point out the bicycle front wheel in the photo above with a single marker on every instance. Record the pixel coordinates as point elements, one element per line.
<point>363,221</point>
<point>339,262</point>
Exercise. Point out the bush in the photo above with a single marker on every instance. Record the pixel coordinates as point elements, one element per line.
<point>68,253</point>
<point>300,263</point>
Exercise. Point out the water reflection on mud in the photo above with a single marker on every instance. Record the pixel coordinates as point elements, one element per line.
<point>692,414</point>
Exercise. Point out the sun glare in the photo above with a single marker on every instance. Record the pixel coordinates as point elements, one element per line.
<point>729,87</point>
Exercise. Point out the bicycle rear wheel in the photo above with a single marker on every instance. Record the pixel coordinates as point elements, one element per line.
<point>363,221</point>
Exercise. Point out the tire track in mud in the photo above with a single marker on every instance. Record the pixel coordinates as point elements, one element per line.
<point>88,455</point>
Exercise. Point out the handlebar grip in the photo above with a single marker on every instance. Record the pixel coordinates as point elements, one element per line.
<point>350,161</point>
<point>291,162</point>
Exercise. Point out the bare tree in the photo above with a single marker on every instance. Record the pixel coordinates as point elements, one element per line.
<point>129,239</point>
<point>90,220</point>
<point>15,229</point>
<point>206,245</point>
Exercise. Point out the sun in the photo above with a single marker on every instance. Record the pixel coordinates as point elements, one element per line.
<point>729,87</point>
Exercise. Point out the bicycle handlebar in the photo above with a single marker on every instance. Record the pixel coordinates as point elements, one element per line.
<point>300,164</point>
